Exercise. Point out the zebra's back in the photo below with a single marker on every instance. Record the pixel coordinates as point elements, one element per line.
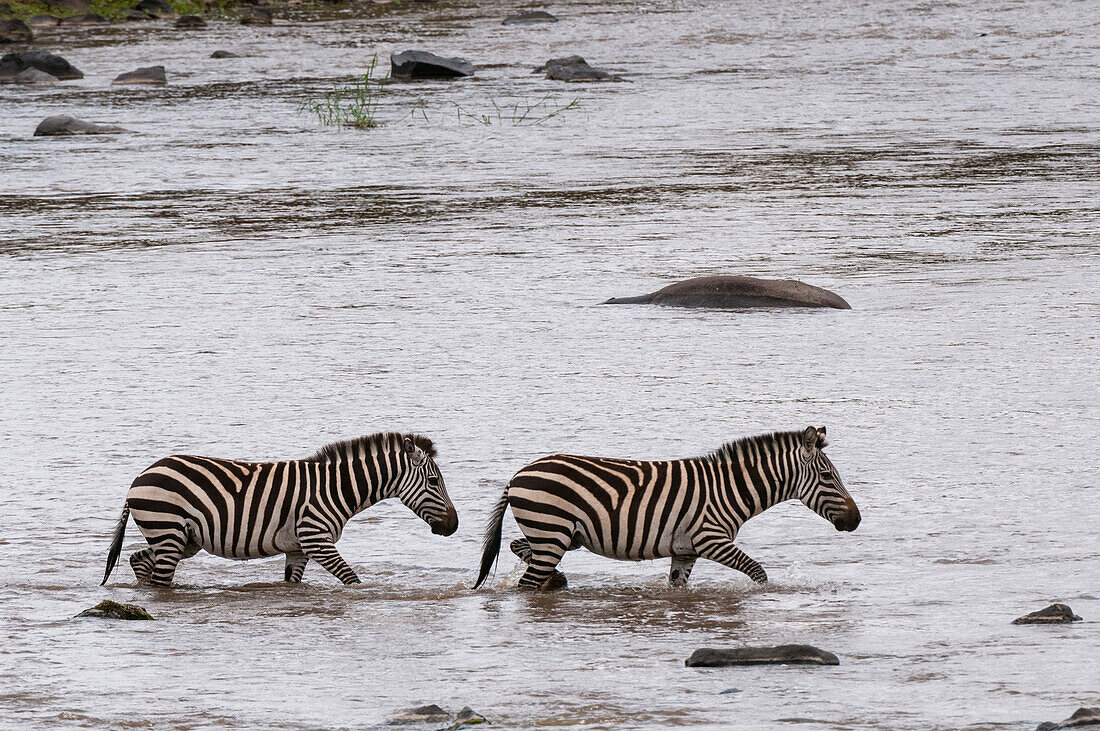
<point>626,509</point>
<point>232,509</point>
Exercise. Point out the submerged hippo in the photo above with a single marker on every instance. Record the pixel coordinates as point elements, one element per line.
<point>734,292</point>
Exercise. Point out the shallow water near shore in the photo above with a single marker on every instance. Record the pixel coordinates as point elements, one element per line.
<point>236,280</point>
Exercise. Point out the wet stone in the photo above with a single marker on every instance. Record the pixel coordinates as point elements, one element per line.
<point>420,714</point>
<point>224,54</point>
<point>148,75</point>
<point>423,65</point>
<point>468,717</point>
<point>780,655</point>
<point>574,68</point>
<point>1081,717</point>
<point>1054,614</point>
<point>63,124</point>
<point>43,21</point>
<point>190,22</point>
<point>15,31</point>
<point>29,76</point>
<point>255,16</point>
<point>108,609</point>
<point>85,19</point>
<point>439,717</point>
<point>13,63</point>
<point>736,292</point>
<point>530,17</point>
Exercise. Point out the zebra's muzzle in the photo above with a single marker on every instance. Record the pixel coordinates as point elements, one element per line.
<point>849,521</point>
<point>448,525</point>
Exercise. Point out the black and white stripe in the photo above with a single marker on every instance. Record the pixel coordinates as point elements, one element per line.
<point>184,504</point>
<point>683,509</point>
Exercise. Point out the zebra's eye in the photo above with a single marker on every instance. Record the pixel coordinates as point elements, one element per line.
<point>433,480</point>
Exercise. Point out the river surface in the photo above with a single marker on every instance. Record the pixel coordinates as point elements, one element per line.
<point>237,280</point>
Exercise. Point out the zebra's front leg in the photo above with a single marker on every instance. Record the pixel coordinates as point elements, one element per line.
<point>320,548</point>
<point>681,570</point>
<point>295,566</point>
<point>724,552</point>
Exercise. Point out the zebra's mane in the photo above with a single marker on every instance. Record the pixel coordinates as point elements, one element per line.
<point>382,440</point>
<point>785,438</point>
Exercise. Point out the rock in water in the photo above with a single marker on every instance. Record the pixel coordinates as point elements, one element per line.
<point>15,31</point>
<point>223,54</point>
<point>1054,614</point>
<point>424,65</point>
<point>43,21</point>
<point>147,75</point>
<point>574,68</point>
<point>108,609</point>
<point>55,66</point>
<point>66,125</point>
<point>530,17</point>
<point>1081,717</point>
<point>255,16</point>
<point>468,717</point>
<point>190,22</point>
<point>429,713</point>
<point>780,655</point>
<point>29,76</point>
<point>155,8</point>
<point>737,292</point>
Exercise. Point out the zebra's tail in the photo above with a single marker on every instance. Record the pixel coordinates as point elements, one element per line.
<point>116,544</point>
<point>490,545</point>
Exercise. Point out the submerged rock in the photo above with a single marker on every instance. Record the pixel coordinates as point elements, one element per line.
<point>530,17</point>
<point>63,124</point>
<point>15,31</point>
<point>148,75</point>
<point>438,715</point>
<point>1081,717</point>
<point>1054,614</point>
<point>224,54</point>
<point>190,22</point>
<point>155,8</point>
<point>13,63</point>
<point>255,16</point>
<point>779,655</point>
<point>468,717</point>
<point>108,609</point>
<point>737,292</point>
<point>43,21</point>
<point>29,76</point>
<point>85,19</point>
<point>574,68</point>
<point>424,65</point>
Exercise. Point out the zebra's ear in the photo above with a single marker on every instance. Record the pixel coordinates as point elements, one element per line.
<point>822,442</point>
<point>416,455</point>
<point>809,439</point>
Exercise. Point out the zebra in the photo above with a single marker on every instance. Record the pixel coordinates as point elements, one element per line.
<point>184,504</point>
<point>683,509</point>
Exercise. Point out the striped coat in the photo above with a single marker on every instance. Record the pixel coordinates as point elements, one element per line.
<point>682,509</point>
<point>186,504</point>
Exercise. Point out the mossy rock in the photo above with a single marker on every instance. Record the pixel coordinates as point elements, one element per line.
<point>108,609</point>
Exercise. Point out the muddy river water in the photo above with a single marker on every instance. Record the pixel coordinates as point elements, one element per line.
<point>237,280</point>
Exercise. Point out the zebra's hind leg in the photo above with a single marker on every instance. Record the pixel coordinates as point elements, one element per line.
<point>681,570</point>
<point>542,567</point>
<point>295,566</point>
<point>522,548</point>
<point>142,563</point>
<point>170,550</point>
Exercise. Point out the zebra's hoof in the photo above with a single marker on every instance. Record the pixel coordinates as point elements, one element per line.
<point>556,581</point>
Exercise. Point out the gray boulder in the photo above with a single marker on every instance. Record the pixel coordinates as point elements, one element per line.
<point>779,655</point>
<point>15,31</point>
<point>155,8</point>
<point>224,54</point>
<point>29,76</point>
<point>530,17</point>
<point>147,75</point>
<point>255,16</point>
<point>108,609</point>
<point>85,19</point>
<point>1081,717</point>
<point>440,717</point>
<point>61,125</point>
<point>733,292</point>
<point>574,68</point>
<point>13,63</point>
<point>1054,614</point>
<point>190,22</point>
<point>409,65</point>
<point>43,21</point>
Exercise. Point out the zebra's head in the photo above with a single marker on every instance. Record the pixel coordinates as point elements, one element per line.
<point>818,484</point>
<point>423,492</point>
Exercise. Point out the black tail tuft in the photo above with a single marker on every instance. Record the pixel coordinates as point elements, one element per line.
<point>490,545</point>
<point>116,544</point>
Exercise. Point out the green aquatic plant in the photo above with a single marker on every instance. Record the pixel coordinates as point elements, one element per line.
<point>354,104</point>
<point>518,113</point>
